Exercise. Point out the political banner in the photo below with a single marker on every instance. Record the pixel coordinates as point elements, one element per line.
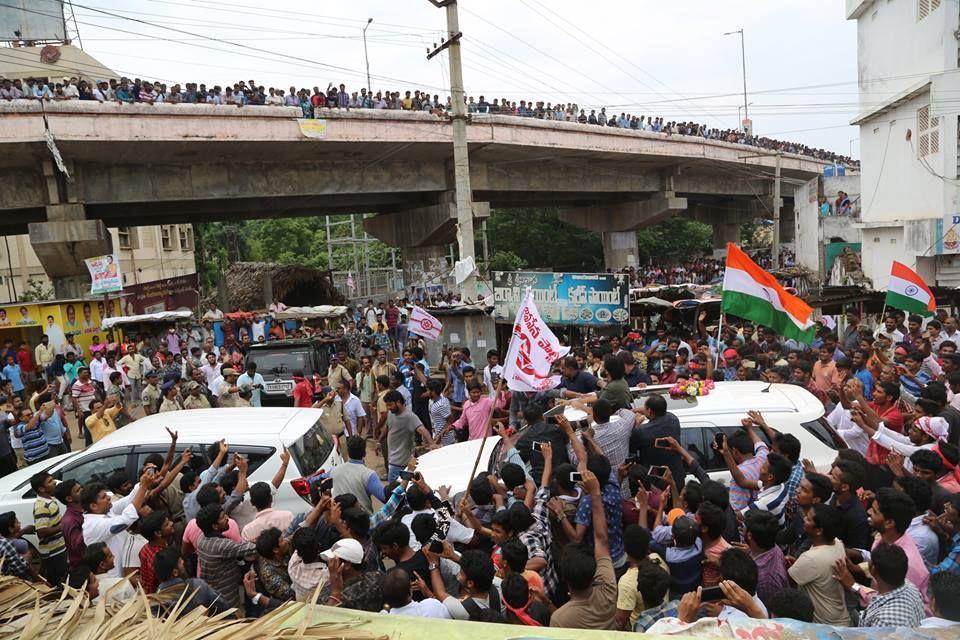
<point>105,274</point>
<point>595,299</point>
<point>533,350</point>
<point>424,324</point>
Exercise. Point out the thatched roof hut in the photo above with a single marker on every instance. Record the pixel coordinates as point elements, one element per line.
<point>294,285</point>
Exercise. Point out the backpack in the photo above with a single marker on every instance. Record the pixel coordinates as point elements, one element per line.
<point>477,612</point>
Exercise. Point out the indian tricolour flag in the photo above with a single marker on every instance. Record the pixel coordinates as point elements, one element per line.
<point>750,292</point>
<point>909,292</point>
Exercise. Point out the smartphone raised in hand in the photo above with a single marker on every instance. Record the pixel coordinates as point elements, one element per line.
<point>658,471</point>
<point>576,476</point>
<point>711,594</point>
<point>662,443</point>
<point>718,439</point>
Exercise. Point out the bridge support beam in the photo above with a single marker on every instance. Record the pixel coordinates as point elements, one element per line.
<point>619,223</point>
<point>423,234</point>
<point>63,242</point>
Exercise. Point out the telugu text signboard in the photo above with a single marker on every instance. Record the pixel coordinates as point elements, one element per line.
<point>596,299</point>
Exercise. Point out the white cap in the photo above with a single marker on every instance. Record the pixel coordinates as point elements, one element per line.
<point>346,549</point>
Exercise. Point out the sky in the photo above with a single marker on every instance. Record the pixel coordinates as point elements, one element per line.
<point>668,59</point>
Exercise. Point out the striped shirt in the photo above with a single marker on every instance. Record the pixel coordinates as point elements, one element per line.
<point>84,394</point>
<point>439,413</point>
<point>773,499</point>
<point>220,565</point>
<point>47,513</point>
<point>34,442</point>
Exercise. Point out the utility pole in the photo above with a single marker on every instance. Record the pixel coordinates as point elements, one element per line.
<point>775,245</point>
<point>366,58</point>
<point>461,162</point>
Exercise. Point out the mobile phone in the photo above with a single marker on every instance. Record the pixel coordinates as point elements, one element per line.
<point>436,546</point>
<point>576,476</point>
<point>710,594</point>
<point>632,459</point>
<point>658,471</point>
<point>718,439</point>
<point>406,475</point>
<point>538,446</point>
<point>661,443</point>
<point>326,486</point>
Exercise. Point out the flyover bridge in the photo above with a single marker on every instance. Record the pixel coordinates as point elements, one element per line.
<point>137,164</point>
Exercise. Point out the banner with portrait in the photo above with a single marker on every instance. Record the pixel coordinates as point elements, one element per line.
<point>105,276</point>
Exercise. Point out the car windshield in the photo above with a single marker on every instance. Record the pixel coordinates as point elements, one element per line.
<point>312,449</point>
<point>284,363</point>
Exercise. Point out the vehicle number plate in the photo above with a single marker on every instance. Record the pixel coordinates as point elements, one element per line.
<point>279,387</point>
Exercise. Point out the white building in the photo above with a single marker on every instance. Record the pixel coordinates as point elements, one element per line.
<point>909,104</point>
<point>146,254</point>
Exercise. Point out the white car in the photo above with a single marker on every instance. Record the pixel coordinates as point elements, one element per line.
<point>258,433</point>
<point>787,408</point>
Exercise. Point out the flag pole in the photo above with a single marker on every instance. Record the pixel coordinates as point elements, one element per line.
<point>486,433</point>
<point>719,330</point>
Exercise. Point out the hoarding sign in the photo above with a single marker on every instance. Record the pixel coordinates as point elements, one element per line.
<point>595,299</point>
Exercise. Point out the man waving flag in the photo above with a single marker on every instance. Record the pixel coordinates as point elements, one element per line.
<point>750,292</point>
<point>909,292</point>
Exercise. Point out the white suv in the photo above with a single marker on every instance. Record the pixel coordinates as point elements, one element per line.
<point>257,433</point>
<point>787,408</point>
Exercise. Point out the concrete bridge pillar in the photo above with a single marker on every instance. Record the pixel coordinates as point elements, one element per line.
<point>423,234</point>
<point>63,242</point>
<point>619,222</point>
<point>425,266</point>
<point>619,249</point>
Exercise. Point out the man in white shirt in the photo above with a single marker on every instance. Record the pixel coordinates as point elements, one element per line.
<point>97,366</point>
<point>258,328</point>
<point>492,372</point>
<point>252,381</point>
<point>101,525</point>
<point>890,331</point>
<point>354,415</point>
<point>213,313</point>
<point>211,371</point>
<point>419,503</point>
<point>397,596</point>
<point>70,91</point>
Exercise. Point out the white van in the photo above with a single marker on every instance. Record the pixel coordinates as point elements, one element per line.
<point>787,408</point>
<point>257,433</point>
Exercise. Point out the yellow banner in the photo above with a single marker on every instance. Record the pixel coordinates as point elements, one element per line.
<point>313,128</point>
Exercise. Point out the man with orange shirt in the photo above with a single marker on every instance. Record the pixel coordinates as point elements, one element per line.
<point>825,374</point>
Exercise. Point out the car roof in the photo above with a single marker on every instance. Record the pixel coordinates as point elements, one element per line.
<point>289,342</point>
<point>739,397</point>
<point>249,425</point>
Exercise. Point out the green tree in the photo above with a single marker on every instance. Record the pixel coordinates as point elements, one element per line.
<point>674,239</point>
<point>540,240</point>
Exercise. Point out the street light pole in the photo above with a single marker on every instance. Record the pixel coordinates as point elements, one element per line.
<point>738,111</point>
<point>743,61</point>
<point>366,58</point>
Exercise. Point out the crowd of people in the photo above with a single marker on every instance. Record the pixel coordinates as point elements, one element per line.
<point>596,528</point>
<point>250,93</point>
<point>700,270</point>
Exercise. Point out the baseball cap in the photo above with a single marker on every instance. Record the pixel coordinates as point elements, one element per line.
<point>229,371</point>
<point>730,353</point>
<point>167,386</point>
<point>152,374</point>
<point>346,549</point>
<point>193,384</point>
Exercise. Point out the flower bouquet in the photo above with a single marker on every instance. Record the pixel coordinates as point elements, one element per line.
<point>691,388</point>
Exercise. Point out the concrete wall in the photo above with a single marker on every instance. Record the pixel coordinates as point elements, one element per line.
<point>145,261</point>
<point>893,45</point>
<point>813,231</point>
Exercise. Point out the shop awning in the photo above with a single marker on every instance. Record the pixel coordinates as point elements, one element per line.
<point>320,311</point>
<point>160,316</point>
